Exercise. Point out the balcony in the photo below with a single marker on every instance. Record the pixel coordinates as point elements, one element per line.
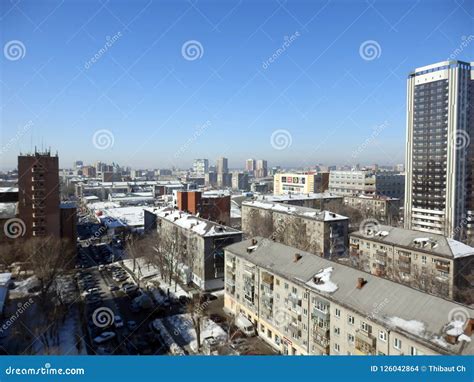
<point>404,267</point>
<point>318,315</point>
<point>442,266</point>
<point>365,342</point>
<point>404,259</point>
<point>294,299</point>
<point>321,331</point>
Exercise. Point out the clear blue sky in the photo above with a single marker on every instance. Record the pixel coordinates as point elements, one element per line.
<point>320,89</point>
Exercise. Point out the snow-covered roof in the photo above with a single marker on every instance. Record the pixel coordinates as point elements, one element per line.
<point>5,278</point>
<point>200,226</point>
<point>128,216</point>
<point>304,212</point>
<point>8,210</point>
<point>434,244</point>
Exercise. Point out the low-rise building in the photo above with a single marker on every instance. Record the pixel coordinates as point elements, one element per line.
<point>431,263</point>
<point>204,241</point>
<point>365,182</point>
<point>320,201</point>
<point>211,205</point>
<point>303,304</point>
<point>382,208</point>
<point>323,233</point>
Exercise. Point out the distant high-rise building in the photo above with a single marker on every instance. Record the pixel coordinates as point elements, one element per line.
<point>78,164</point>
<point>222,166</point>
<point>240,181</point>
<point>261,168</point>
<point>38,191</point>
<point>439,148</point>
<point>201,166</point>
<point>250,165</point>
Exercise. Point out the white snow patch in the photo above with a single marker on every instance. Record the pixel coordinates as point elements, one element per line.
<point>411,326</point>
<point>460,249</point>
<point>440,341</point>
<point>463,337</point>
<point>325,284</point>
<point>455,328</point>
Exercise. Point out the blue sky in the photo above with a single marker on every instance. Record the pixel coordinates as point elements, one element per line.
<point>334,103</point>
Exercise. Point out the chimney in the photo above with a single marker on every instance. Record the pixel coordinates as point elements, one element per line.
<point>361,282</point>
<point>469,328</point>
<point>297,257</point>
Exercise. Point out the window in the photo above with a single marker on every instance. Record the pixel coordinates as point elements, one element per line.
<point>337,348</point>
<point>286,286</point>
<point>338,313</point>
<point>397,344</point>
<point>277,281</point>
<point>382,336</point>
<point>366,327</point>
<point>350,338</point>
<point>423,259</point>
<point>350,320</point>
<point>337,330</point>
<point>305,312</point>
<point>294,290</point>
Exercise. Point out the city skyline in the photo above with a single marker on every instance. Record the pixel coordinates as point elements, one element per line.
<point>108,89</point>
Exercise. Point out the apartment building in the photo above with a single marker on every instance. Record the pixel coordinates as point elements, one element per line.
<point>240,181</point>
<point>433,263</point>
<point>204,242</point>
<point>303,304</point>
<point>365,182</point>
<point>300,183</point>
<point>201,166</point>
<point>383,208</point>
<point>439,151</point>
<point>261,168</point>
<point>214,207</point>
<point>38,194</point>
<point>322,233</point>
<point>319,201</point>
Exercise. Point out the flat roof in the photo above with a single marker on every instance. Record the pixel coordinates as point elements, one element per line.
<point>415,240</point>
<point>420,316</point>
<point>288,197</point>
<point>304,212</point>
<point>202,227</point>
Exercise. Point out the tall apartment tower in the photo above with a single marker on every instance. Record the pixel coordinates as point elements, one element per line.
<point>222,166</point>
<point>438,193</point>
<point>250,165</point>
<point>261,168</point>
<point>38,194</point>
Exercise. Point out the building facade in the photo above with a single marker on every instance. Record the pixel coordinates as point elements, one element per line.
<point>38,194</point>
<point>201,166</point>
<point>438,192</point>
<point>322,233</point>
<point>302,304</point>
<point>432,264</point>
<point>384,209</point>
<point>261,168</point>
<point>203,240</point>
<point>300,183</point>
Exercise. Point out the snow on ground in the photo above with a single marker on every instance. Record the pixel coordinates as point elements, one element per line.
<point>167,338</point>
<point>325,284</point>
<point>463,337</point>
<point>183,326</point>
<point>411,326</point>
